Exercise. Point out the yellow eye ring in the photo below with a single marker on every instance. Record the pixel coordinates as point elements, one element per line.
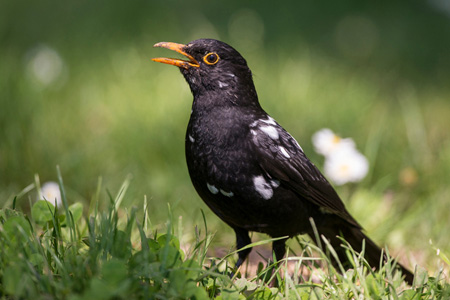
<point>211,58</point>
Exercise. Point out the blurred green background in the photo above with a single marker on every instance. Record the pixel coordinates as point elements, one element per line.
<point>78,90</point>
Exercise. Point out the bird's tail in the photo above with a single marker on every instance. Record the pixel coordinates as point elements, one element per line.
<point>355,237</point>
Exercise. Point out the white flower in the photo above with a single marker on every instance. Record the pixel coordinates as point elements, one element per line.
<point>346,165</point>
<point>326,142</point>
<point>45,65</point>
<point>51,193</point>
<point>343,162</point>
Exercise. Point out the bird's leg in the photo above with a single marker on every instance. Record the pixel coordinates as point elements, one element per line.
<point>242,240</point>
<point>279,248</point>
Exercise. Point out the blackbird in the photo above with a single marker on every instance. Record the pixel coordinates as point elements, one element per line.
<point>247,168</point>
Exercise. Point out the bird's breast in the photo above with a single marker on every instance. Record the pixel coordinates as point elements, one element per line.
<point>215,150</point>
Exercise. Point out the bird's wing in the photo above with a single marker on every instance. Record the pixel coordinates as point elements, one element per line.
<point>281,157</point>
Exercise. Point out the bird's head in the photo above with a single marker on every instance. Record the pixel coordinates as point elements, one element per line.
<point>212,66</point>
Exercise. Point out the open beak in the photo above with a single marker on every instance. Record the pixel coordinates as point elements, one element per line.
<point>175,61</point>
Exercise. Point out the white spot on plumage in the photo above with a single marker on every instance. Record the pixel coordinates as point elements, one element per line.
<point>263,187</point>
<point>270,121</point>
<point>284,152</point>
<point>212,188</point>
<point>222,84</point>
<point>271,131</point>
<point>227,194</point>
<point>275,183</point>
<point>191,138</point>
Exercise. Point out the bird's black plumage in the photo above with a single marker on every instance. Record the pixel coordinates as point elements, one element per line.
<point>247,168</point>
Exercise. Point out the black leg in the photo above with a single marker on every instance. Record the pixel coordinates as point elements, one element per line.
<point>242,240</point>
<point>279,248</point>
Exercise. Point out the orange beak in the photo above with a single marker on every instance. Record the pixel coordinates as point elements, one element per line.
<point>175,61</point>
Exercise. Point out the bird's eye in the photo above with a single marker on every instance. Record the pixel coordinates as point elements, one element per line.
<point>211,58</point>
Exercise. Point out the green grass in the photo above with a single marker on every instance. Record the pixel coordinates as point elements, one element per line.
<point>116,253</point>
